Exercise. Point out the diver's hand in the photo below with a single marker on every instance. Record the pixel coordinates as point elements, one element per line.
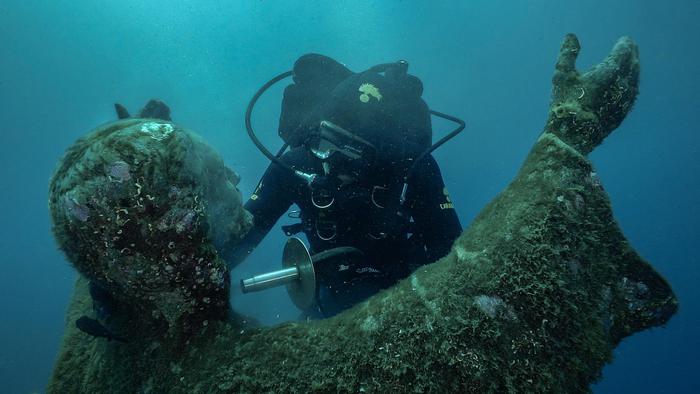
<point>587,107</point>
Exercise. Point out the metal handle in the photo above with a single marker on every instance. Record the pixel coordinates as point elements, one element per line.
<point>270,279</point>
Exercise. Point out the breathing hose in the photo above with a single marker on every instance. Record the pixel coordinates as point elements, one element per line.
<point>436,145</point>
<point>251,133</point>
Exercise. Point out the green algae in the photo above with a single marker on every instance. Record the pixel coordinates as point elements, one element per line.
<point>533,297</point>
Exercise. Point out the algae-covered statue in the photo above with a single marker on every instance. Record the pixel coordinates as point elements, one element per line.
<point>533,296</point>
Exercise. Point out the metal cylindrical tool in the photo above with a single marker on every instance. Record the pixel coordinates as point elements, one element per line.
<point>298,272</point>
<point>270,279</point>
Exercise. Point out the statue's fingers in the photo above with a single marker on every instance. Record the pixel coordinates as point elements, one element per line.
<point>625,54</point>
<point>621,64</point>
<point>568,54</point>
<point>565,76</point>
<point>613,84</point>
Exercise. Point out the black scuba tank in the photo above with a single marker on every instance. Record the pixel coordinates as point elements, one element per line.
<point>383,103</point>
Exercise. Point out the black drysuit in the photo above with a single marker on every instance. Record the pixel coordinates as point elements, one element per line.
<point>366,214</point>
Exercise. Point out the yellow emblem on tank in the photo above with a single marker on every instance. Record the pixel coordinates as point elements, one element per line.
<point>368,90</point>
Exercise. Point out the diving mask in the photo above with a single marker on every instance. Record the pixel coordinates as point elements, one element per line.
<point>333,141</point>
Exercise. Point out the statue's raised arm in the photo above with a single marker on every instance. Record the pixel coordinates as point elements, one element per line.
<point>533,297</point>
<point>587,107</point>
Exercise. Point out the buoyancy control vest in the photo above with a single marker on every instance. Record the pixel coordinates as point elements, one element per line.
<point>363,214</point>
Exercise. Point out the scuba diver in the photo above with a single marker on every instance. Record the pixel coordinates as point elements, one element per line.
<point>360,171</point>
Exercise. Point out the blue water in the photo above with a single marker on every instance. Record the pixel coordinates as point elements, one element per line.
<point>63,63</point>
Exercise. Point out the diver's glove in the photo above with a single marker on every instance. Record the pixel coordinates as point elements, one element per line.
<point>102,301</point>
<point>104,306</point>
<point>96,329</point>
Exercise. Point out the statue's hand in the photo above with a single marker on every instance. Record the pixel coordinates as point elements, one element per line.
<point>587,107</point>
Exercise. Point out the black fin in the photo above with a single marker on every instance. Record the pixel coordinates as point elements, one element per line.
<point>122,112</point>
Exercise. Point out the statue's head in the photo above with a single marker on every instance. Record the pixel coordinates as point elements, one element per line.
<point>143,208</point>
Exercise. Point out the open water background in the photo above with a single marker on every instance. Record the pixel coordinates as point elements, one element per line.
<point>64,63</point>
